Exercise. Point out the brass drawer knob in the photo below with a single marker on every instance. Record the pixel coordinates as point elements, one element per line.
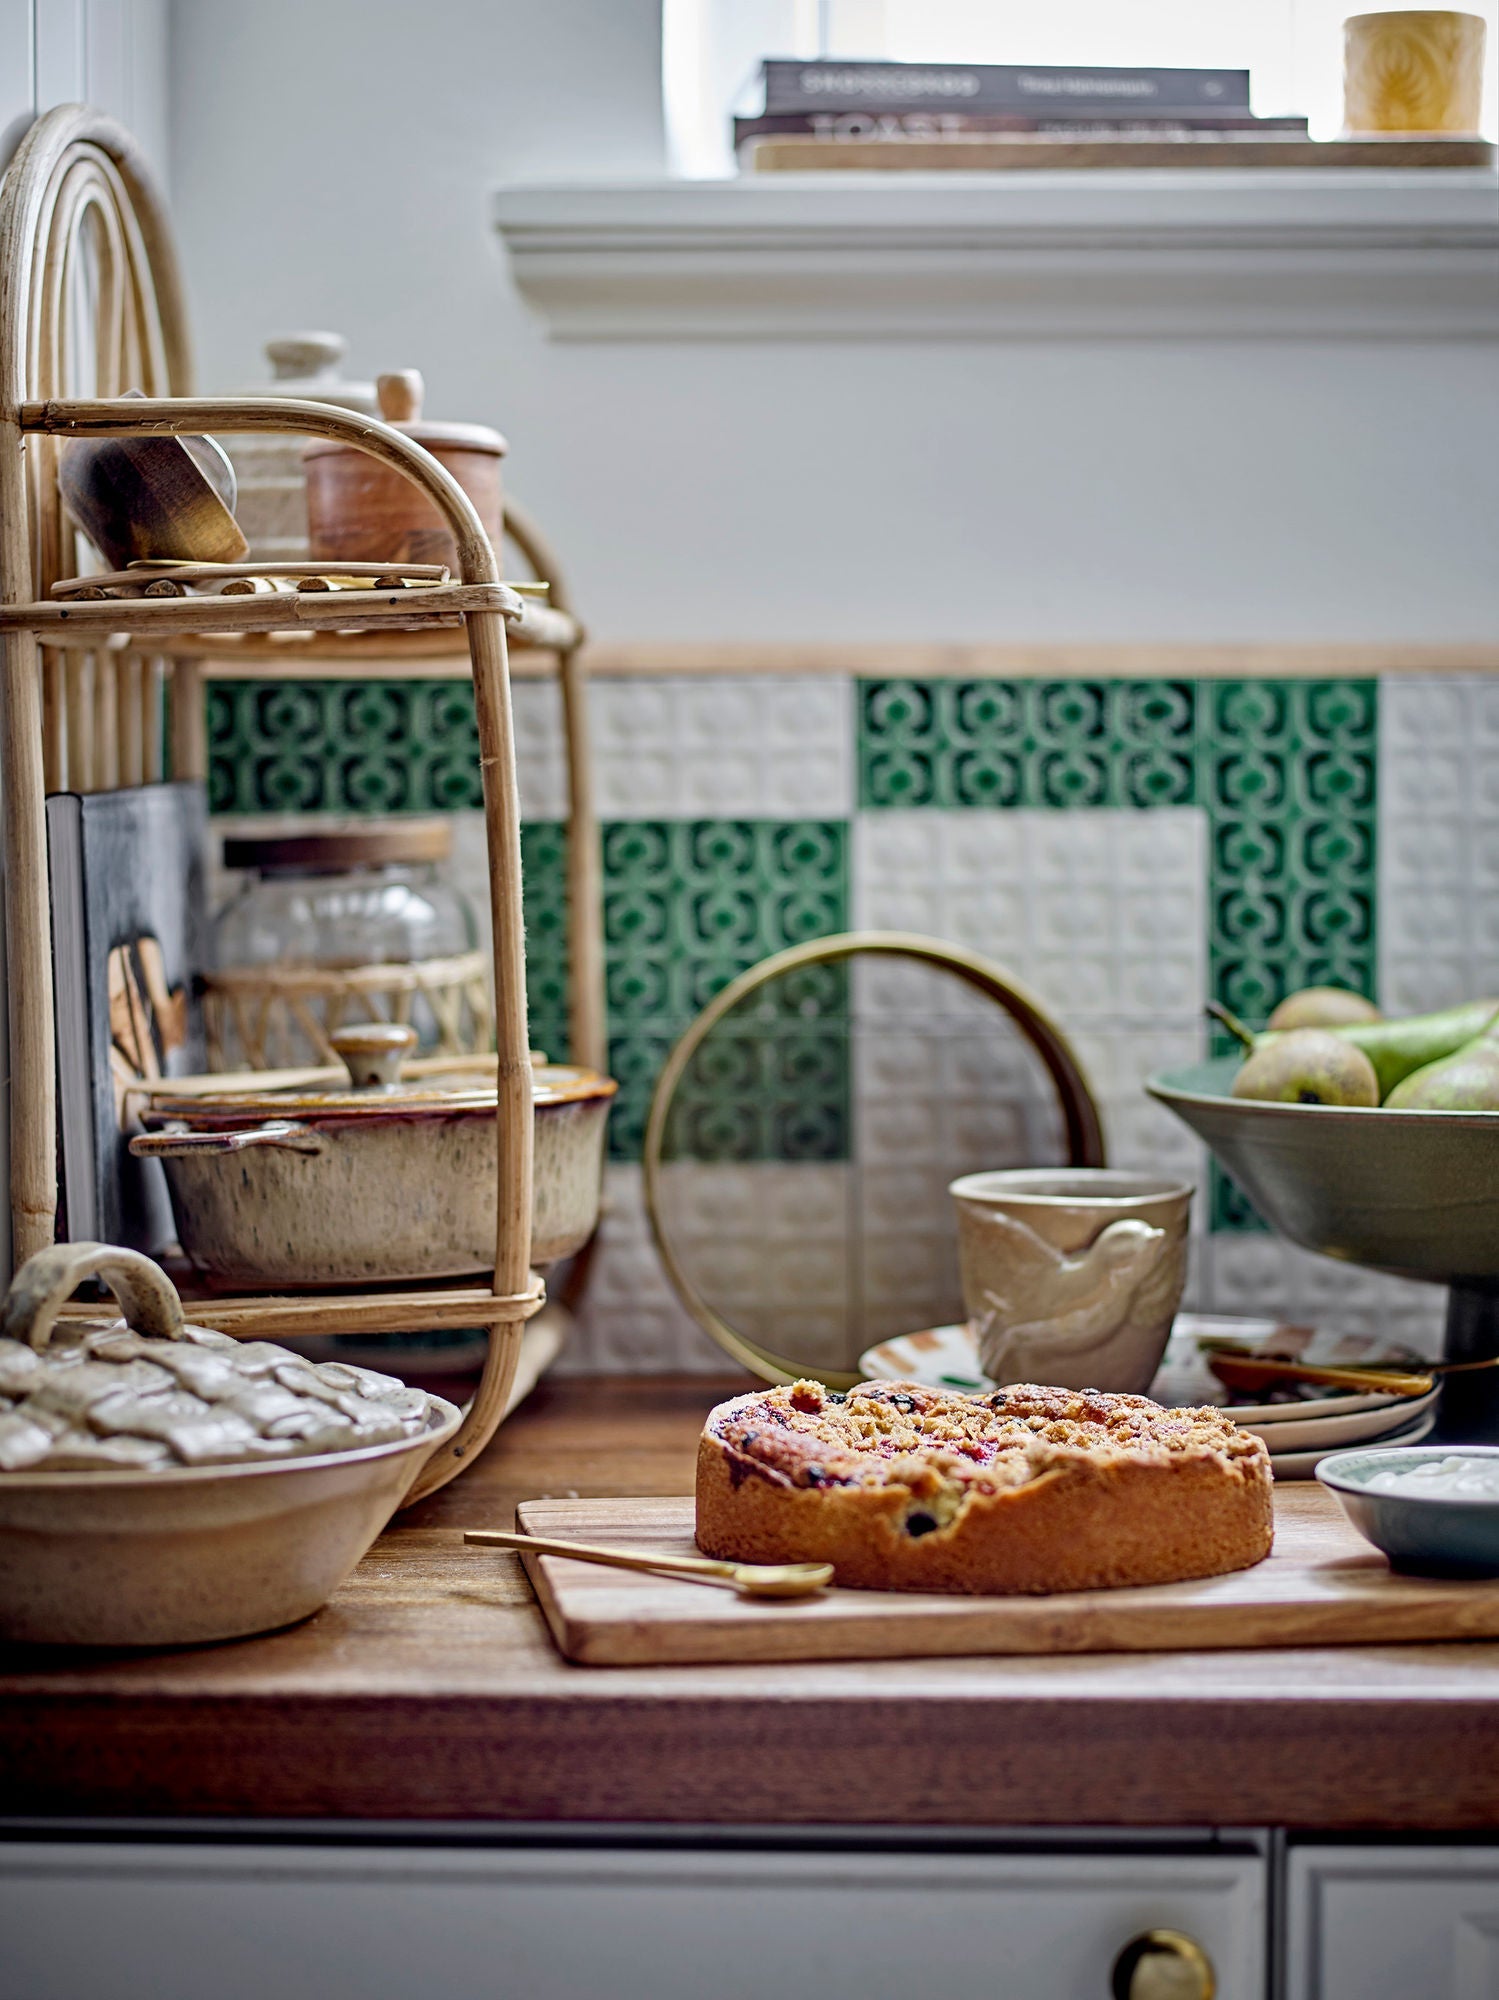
<point>1162,1965</point>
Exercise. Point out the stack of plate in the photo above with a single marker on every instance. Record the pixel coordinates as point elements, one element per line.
<point>1311,1420</point>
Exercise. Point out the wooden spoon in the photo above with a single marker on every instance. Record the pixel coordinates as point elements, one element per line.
<point>749,1579</point>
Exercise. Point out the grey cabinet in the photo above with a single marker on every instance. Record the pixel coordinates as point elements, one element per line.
<point>572,1922</point>
<point>1392,1923</point>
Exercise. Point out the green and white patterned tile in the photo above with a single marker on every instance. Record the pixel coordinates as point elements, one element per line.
<point>1285,771</point>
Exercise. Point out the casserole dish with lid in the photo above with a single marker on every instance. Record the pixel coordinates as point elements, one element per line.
<point>387,1177</point>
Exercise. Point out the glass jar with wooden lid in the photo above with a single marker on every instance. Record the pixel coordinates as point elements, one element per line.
<point>341,925</point>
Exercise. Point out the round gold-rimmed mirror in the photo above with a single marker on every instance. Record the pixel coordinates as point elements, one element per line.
<point>857,1072</point>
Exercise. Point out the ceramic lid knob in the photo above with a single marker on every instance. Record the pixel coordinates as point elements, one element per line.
<point>373,1052</point>
<point>305,356</point>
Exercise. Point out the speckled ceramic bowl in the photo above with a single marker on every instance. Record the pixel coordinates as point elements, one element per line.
<point>1428,1534</point>
<point>377,1182</point>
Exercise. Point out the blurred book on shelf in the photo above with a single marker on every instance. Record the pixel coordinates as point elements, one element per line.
<point>1038,90</point>
<point>892,117</point>
<point>981,152</point>
<point>872,126</point>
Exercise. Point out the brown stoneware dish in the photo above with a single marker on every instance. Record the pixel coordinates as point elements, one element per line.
<point>390,1178</point>
<point>164,1485</point>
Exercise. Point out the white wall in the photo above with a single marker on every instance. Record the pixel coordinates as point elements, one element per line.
<point>332,165</point>
<point>106,52</point>
<point>112,53</point>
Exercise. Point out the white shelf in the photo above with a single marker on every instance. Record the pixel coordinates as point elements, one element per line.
<point>1321,254</point>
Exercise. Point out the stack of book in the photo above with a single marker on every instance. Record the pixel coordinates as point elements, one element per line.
<point>884,115</point>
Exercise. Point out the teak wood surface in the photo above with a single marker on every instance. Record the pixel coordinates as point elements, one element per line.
<point>429,1690</point>
<point>1322,1584</point>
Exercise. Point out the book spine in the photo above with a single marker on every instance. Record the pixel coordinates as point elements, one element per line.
<point>896,125</point>
<point>827,85</point>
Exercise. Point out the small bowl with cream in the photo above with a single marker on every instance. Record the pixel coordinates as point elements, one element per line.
<point>1434,1511</point>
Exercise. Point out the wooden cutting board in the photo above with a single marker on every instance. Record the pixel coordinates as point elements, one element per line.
<point>1322,1585</point>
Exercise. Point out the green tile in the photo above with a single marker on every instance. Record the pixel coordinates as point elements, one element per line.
<point>1289,778</point>
<point>342,746</point>
<point>543,852</point>
<point>688,905</point>
<point>1026,743</point>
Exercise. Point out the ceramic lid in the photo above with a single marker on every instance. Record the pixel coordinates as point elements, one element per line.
<point>306,365</point>
<point>149,1393</point>
<point>380,1084</point>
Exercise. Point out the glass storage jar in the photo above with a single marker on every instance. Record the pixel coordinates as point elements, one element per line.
<point>335,926</point>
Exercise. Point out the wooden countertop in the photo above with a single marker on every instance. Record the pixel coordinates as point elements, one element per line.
<point>428,1689</point>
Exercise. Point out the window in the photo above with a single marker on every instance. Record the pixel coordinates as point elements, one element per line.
<point>1292,48</point>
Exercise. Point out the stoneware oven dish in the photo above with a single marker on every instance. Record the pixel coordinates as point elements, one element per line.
<point>390,1178</point>
<point>163,1485</point>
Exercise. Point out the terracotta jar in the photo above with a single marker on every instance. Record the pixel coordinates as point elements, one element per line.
<point>360,510</point>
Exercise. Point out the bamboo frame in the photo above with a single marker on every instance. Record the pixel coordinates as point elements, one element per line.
<point>76,169</point>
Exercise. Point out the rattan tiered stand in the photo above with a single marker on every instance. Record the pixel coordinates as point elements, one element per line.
<point>89,291</point>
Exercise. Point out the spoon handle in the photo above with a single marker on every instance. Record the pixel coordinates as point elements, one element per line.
<point>1229,1361</point>
<point>701,1568</point>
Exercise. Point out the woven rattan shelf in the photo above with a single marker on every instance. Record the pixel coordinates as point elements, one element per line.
<point>89,287</point>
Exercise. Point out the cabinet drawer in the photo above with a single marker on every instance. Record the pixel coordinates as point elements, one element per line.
<point>1366,1922</point>
<point>145,1922</point>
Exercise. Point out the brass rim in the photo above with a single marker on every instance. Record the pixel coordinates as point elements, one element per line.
<point>1085,1145</point>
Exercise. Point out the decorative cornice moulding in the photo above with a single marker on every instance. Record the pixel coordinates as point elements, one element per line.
<point>1195,255</point>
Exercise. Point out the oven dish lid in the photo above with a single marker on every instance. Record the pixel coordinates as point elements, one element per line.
<point>379,1081</point>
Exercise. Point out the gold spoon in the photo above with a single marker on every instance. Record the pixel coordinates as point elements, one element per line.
<point>749,1579</point>
<point>1241,1368</point>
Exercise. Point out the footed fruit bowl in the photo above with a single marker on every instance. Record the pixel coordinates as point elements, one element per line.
<point>1415,1193</point>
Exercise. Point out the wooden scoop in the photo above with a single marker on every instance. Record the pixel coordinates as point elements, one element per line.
<point>749,1579</point>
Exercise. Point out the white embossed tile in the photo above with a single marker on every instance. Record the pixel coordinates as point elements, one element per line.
<point>1103,914</point>
<point>766,1245</point>
<point>1260,1276</point>
<point>702,747</point>
<point>540,750</point>
<point>629,1319</point>
<point>1438,841</point>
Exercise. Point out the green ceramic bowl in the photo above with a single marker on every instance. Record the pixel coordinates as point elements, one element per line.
<point>1414,1192</point>
<point>1420,1532</point>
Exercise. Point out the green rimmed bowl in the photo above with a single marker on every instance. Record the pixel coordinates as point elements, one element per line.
<point>1424,1534</point>
<point>1411,1192</point>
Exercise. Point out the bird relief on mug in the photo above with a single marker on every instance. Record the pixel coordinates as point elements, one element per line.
<point>1072,1277</point>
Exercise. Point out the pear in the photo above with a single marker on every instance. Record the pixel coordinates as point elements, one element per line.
<point>1396,1048</point>
<point>1322,1007</point>
<point>1466,1081</point>
<point>1308,1066</point>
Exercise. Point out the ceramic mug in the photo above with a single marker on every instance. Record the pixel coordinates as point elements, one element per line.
<point>1072,1275</point>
